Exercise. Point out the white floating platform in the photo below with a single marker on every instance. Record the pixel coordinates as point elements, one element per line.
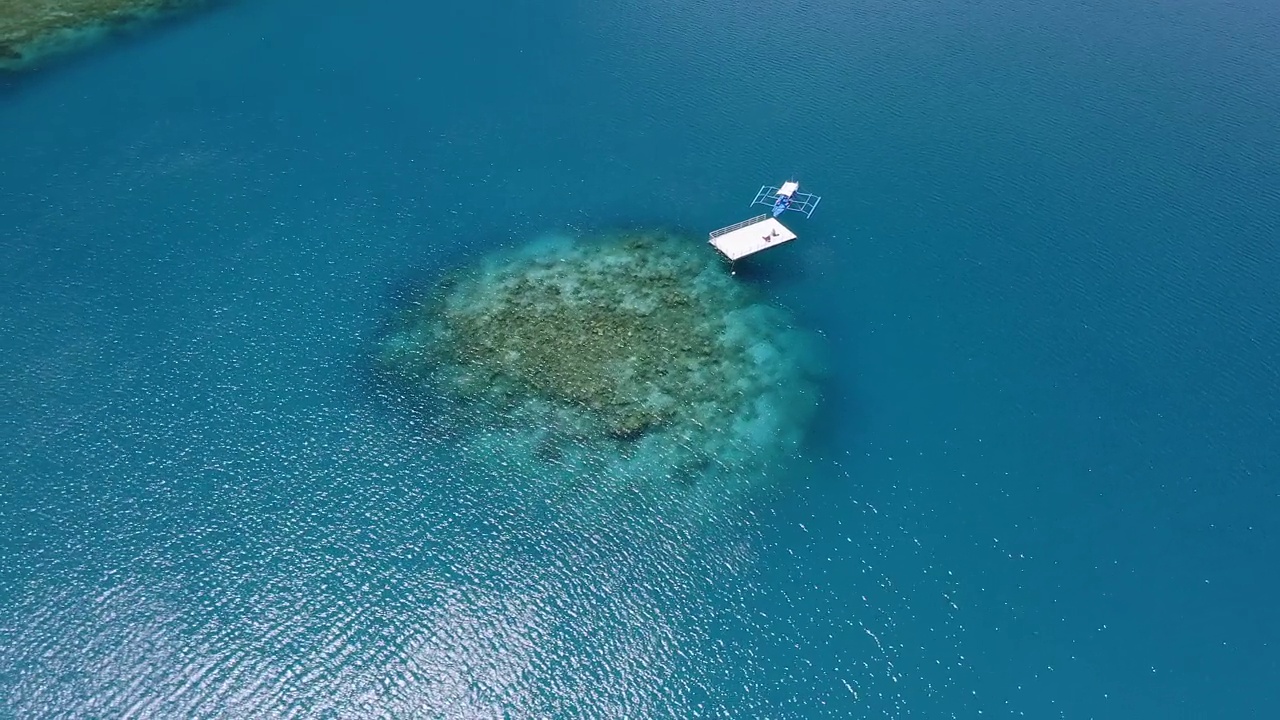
<point>750,237</point>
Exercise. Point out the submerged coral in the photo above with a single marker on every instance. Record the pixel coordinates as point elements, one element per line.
<point>33,28</point>
<point>615,354</point>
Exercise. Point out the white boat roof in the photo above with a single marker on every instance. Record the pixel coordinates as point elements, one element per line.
<point>788,188</point>
<point>751,239</point>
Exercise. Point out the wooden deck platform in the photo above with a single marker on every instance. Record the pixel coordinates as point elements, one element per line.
<point>750,237</point>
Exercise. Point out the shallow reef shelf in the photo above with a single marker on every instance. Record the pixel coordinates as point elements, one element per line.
<point>31,30</point>
<point>615,362</point>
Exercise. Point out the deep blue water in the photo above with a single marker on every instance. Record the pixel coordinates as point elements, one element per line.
<point>1044,481</point>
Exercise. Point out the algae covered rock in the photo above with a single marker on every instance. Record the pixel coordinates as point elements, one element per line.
<point>30,29</point>
<point>631,351</point>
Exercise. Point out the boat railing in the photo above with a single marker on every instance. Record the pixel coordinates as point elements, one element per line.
<point>736,226</point>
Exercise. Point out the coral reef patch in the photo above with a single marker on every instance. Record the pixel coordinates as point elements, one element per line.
<point>630,359</point>
<point>33,29</point>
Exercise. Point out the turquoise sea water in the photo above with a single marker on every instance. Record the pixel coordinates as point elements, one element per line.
<point>1042,483</point>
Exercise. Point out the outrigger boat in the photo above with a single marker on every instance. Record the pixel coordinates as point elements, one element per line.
<point>787,197</point>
